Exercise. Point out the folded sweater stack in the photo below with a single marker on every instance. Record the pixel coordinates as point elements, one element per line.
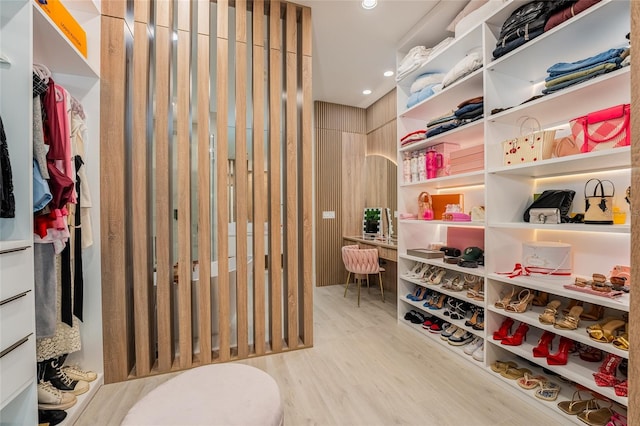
<point>466,112</point>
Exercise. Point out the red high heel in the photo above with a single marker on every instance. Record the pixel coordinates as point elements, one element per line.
<point>517,337</point>
<point>606,375</point>
<point>544,344</point>
<point>504,330</point>
<point>560,357</point>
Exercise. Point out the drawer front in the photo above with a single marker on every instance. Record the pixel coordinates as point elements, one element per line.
<point>17,367</point>
<point>387,253</point>
<point>17,318</point>
<point>16,272</point>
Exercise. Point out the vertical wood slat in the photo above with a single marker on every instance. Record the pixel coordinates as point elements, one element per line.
<point>242,179</point>
<point>164,240</point>
<point>203,17</point>
<point>183,14</point>
<point>307,180</point>
<point>275,227</point>
<point>204,194</point>
<point>141,250</point>
<point>259,196</point>
<point>222,103</point>
<point>291,178</point>
<point>164,13</point>
<point>113,8</point>
<point>112,186</point>
<point>141,11</point>
<point>183,90</point>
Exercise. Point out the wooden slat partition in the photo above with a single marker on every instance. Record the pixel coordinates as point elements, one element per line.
<point>222,103</point>
<point>204,186</point>
<point>291,177</point>
<point>275,225</point>
<point>174,98</point>
<point>183,128</point>
<point>259,181</point>
<point>242,180</point>
<point>142,267</point>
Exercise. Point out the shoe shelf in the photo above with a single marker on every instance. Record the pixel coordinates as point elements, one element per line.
<point>578,335</point>
<point>479,271</point>
<point>451,181</point>
<point>83,400</point>
<point>620,303</point>
<point>435,337</point>
<point>576,370</point>
<point>565,394</point>
<point>440,314</point>
<point>460,295</point>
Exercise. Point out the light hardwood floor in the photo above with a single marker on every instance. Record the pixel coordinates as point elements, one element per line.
<point>364,369</point>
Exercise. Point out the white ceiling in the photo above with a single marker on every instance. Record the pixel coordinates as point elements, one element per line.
<point>352,47</point>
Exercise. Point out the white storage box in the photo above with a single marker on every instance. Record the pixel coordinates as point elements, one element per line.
<point>546,259</point>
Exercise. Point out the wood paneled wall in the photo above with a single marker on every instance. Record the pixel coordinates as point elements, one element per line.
<point>352,145</point>
<point>159,170</point>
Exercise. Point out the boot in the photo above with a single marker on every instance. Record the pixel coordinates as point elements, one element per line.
<point>52,372</point>
<point>51,417</point>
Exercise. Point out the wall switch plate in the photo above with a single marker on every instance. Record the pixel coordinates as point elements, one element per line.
<point>329,215</point>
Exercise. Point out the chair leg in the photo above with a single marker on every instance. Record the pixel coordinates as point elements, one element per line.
<point>368,288</point>
<point>359,285</point>
<point>381,287</point>
<point>346,287</point>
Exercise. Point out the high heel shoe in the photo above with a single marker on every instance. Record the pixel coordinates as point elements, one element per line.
<point>571,304</point>
<point>541,299</point>
<point>455,283</point>
<point>504,300</point>
<point>544,345</point>
<point>571,319</point>
<point>606,375</point>
<point>517,337</point>
<point>524,300</point>
<point>548,317</point>
<point>560,357</point>
<point>504,330</point>
<point>438,277</point>
<point>439,302</point>
<point>474,317</point>
<point>605,332</point>
<point>595,313</point>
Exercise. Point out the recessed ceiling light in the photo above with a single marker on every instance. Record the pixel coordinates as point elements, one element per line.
<point>388,73</point>
<point>369,4</point>
<point>366,92</point>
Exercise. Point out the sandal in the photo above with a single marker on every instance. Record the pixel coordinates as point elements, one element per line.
<point>622,342</point>
<point>595,314</point>
<point>571,319</point>
<point>524,300</point>
<point>604,332</point>
<point>529,382</point>
<point>589,353</point>
<point>577,404</point>
<point>514,373</point>
<point>501,366</point>
<point>504,300</point>
<point>548,317</point>
<point>548,391</point>
<point>596,417</point>
<point>621,388</point>
<point>541,299</point>
<point>617,419</point>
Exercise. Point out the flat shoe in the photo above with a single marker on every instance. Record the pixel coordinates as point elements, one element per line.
<point>530,382</point>
<point>500,366</point>
<point>515,373</point>
<point>548,391</point>
<point>577,404</point>
<point>598,417</point>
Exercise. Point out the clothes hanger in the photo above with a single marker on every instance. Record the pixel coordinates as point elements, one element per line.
<point>4,60</point>
<point>42,72</point>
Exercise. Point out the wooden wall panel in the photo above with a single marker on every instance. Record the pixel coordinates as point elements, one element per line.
<point>291,177</point>
<point>113,8</point>
<point>634,307</point>
<point>141,229</point>
<point>116,331</point>
<point>242,180</point>
<point>382,111</point>
<point>340,117</point>
<point>260,205</point>
<point>275,224</point>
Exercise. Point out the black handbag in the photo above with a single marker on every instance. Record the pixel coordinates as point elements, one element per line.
<point>553,198</point>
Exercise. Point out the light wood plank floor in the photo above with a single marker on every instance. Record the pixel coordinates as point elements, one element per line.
<point>364,369</point>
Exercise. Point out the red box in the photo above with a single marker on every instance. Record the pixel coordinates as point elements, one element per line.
<point>467,160</point>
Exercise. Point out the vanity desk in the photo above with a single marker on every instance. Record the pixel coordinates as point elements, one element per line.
<point>387,248</point>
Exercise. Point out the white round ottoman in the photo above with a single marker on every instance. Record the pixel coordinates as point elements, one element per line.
<point>218,394</point>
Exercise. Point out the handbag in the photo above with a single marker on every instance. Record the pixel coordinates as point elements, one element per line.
<point>544,215</point>
<point>527,148</point>
<point>560,199</point>
<point>598,205</point>
<point>605,129</point>
<point>425,206</point>
<point>565,146</point>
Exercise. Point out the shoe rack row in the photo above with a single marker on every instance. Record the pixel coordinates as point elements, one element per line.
<point>571,334</point>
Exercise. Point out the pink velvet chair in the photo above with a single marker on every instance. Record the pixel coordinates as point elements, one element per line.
<point>361,262</point>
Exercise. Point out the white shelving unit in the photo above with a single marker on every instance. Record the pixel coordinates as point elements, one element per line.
<point>29,36</point>
<point>506,191</point>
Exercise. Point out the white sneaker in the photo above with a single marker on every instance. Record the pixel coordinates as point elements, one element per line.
<point>51,398</point>
<point>475,344</point>
<point>448,332</point>
<point>76,373</point>
<point>478,354</point>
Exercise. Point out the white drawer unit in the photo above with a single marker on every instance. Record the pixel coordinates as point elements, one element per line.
<point>16,270</point>
<point>17,310</point>
<point>17,367</point>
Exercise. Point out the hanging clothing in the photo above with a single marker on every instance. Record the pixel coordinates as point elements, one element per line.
<point>45,289</point>
<point>78,133</point>
<point>7,200</point>
<point>41,193</point>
